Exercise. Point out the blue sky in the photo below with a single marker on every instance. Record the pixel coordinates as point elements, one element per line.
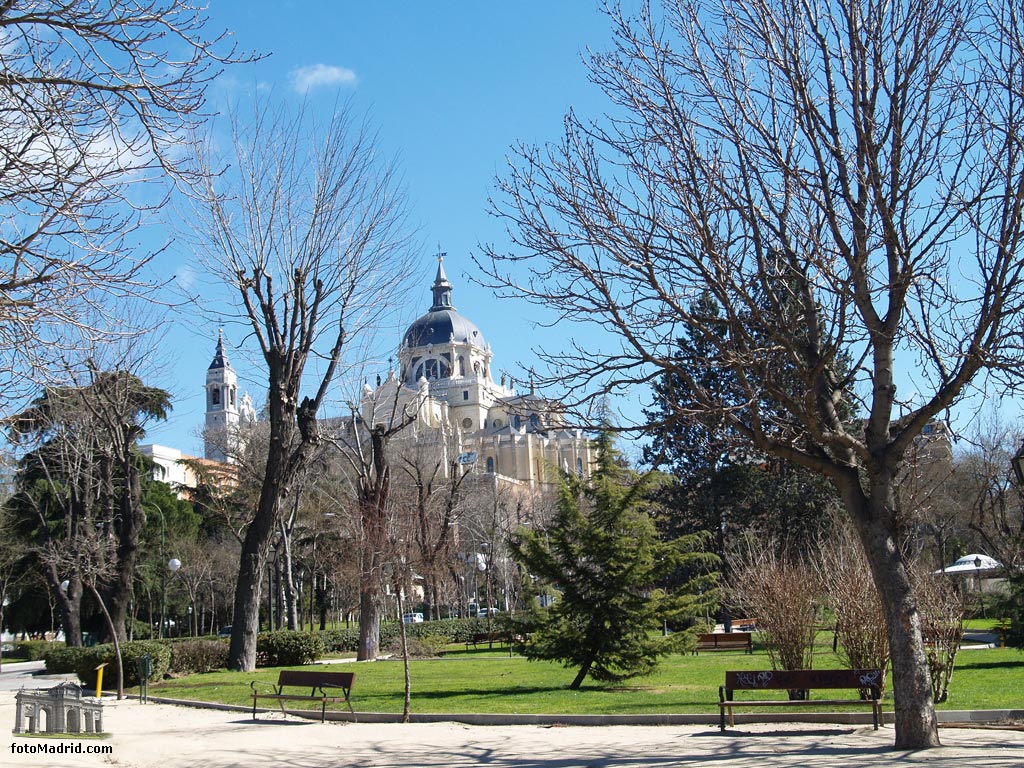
<point>451,87</point>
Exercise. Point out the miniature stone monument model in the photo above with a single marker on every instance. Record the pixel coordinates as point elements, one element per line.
<point>62,709</point>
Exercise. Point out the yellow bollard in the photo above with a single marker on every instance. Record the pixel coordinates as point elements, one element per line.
<point>99,679</point>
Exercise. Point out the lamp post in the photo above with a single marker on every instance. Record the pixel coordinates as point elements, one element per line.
<point>163,573</point>
<point>981,593</point>
<point>172,565</point>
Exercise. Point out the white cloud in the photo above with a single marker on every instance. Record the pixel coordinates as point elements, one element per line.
<point>304,79</point>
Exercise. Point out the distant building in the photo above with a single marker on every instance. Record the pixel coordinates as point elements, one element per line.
<point>225,410</point>
<point>445,377</point>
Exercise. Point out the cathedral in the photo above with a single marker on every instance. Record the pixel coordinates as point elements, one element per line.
<point>445,381</point>
<point>444,387</point>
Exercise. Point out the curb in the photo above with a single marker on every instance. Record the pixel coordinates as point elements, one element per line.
<point>950,717</point>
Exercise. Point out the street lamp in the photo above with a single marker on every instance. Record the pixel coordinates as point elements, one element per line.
<point>271,597</point>
<point>981,593</point>
<point>163,574</point>
<point>172,565</point>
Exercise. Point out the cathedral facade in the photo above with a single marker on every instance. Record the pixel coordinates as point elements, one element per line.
<point>445,385</point>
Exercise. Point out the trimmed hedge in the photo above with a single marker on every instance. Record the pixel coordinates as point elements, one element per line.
<point>194,655</point>
<point>83,662</point>
<point>286,648</point>
<point>32,650</point>
<point>273,649</point>
<point>433,632</point>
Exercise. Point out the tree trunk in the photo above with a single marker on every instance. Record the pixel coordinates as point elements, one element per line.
<point>119,595</point>
<point>581,675</point>
<point>245,619</point>
<point>373,516</point>
<point>370,609</point>
<point>117,643</point>
<point>280,468</point>
<point>70,603</point>
<point>291,601</point>
<point>407,701</point>
<point>914,710</point>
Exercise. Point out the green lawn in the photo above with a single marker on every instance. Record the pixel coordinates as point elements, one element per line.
<point>492,682</point>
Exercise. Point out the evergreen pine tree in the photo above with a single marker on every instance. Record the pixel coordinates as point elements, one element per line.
<point>604,553</point>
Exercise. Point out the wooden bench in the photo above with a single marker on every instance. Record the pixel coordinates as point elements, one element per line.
<point>489,638</point>
<point>724,641</point>
<point>325,687</point>
<point>867,682</point>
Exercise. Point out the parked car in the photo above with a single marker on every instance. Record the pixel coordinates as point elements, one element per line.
<point>225,631</point>
<point>412,618</point>
<point>485,612</point>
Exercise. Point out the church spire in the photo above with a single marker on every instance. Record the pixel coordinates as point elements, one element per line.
<point>442,289</point>
<point>220,360</point>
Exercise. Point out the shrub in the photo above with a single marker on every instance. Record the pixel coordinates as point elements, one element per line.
<point>340,640</point>
<point>90,658</point>
<point>33,650</point>
<point>423,646</point>
<point>781,593</point>
<point>286,648</point>
<point>62,661</point>
<point>852,596</point>
<point>942,625</point>
<point>198,655</point>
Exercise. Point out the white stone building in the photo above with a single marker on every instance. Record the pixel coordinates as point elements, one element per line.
<point>445,379</point>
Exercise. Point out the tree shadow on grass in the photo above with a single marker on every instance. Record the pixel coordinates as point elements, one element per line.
<point>491,692</point>
<point>1014,665</point>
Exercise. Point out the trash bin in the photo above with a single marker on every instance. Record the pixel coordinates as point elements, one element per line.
<point>145,666</point>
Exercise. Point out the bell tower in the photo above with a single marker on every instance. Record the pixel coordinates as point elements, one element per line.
<point>221,405</point>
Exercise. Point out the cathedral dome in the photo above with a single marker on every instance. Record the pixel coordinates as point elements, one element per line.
<point>441,327</point>
<point>442,324</point>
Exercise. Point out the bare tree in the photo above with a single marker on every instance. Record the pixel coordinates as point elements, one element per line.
<point>849,591</point>
<point>364,446</point>
<point>782,592</point>
<point>846,180</point>
<point>96,97</point>
<point>307,230</point>
<point>430,484</point>
<point>991,498</point>
<point>942,612</point>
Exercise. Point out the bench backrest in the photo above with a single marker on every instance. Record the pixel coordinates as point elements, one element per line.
<point>309,678</point>
<point>795,679</point>
<point>724,637</point>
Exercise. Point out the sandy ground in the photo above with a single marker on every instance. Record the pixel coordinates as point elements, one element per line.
<point>163,736</point>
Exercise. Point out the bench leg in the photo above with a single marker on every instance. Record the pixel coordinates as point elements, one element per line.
<point>253,707</point>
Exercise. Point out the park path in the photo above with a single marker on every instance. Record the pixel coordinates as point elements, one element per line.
<point>165,736</point>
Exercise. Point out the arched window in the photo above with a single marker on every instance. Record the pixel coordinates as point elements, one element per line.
<point>517,422</point>
<point>436,369</point>
<point>579,467</point>
<point>215,396</point>
<point>490,464</point>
